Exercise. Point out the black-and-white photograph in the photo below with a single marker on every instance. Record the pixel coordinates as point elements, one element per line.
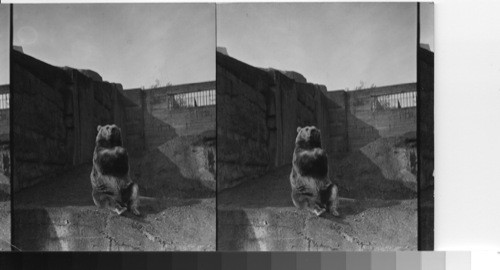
<point>317,126</point>
<point>5,238</point>
<point>114,126</point>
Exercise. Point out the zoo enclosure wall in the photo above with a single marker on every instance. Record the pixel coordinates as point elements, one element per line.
<point>57,110</point>
<point>160,114</point>
<point>259,110</point>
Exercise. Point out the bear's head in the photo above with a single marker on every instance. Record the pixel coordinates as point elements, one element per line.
<point>308,137</point>
<point>108,136</point>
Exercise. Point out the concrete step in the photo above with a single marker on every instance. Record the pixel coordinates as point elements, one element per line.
<point>259,215</point>
<point>170,225</point>
<point>364,226</point>
<point>59,215</point>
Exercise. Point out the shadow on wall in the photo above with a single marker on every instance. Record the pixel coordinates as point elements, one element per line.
<point>341,124</point>
<point>365,164</point>
<point>183,167</point>
<point>384,169</point>
<point>165,164</point>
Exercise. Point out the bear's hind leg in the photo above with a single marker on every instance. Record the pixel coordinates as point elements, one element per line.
<point>131,196</point>
<point>104,200</point>
<point>330,197</point>
<point>307,201</point>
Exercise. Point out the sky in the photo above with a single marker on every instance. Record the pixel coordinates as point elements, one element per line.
<point>335,44</point>
<point>4,43</point>
<point>131,44</point>
<point>427,24</point>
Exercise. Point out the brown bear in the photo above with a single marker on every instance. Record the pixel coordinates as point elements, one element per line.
<point>312,188</point>
<point>112,187</point>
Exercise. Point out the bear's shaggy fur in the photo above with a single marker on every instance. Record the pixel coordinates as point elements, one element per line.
<point>312,188</point>
<point>112,187</point>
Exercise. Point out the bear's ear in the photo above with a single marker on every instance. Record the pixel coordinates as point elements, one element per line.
<point>298,129</point>
<point>98,128</point>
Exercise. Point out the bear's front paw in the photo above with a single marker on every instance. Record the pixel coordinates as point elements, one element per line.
<point>319,212</point>
<point>120,210</point>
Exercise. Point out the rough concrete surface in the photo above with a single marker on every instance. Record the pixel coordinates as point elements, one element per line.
<point>260,216</point>
<point>60,215</point>
<point>4,213</point>
<point>5,226</point>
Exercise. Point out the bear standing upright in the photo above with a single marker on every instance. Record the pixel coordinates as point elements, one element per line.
<point>311,185</point>
<point>111,184</point>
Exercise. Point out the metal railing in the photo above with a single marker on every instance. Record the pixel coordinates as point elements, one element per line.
<point>4,101</point>
<point>395,101</point>
<point>191,99</point>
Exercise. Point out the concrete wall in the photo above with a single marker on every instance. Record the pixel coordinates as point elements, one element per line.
<point>151,122</point>
<point>258,112</point>
<point>56,112</point>
<point>134,121</point>
<point>364,124</point>
<point>172,142</point>
<point>164,123</point>
<point>297,104</point>
<point>95,103</point>
<point>246,122</point>
<point>338,126</point>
